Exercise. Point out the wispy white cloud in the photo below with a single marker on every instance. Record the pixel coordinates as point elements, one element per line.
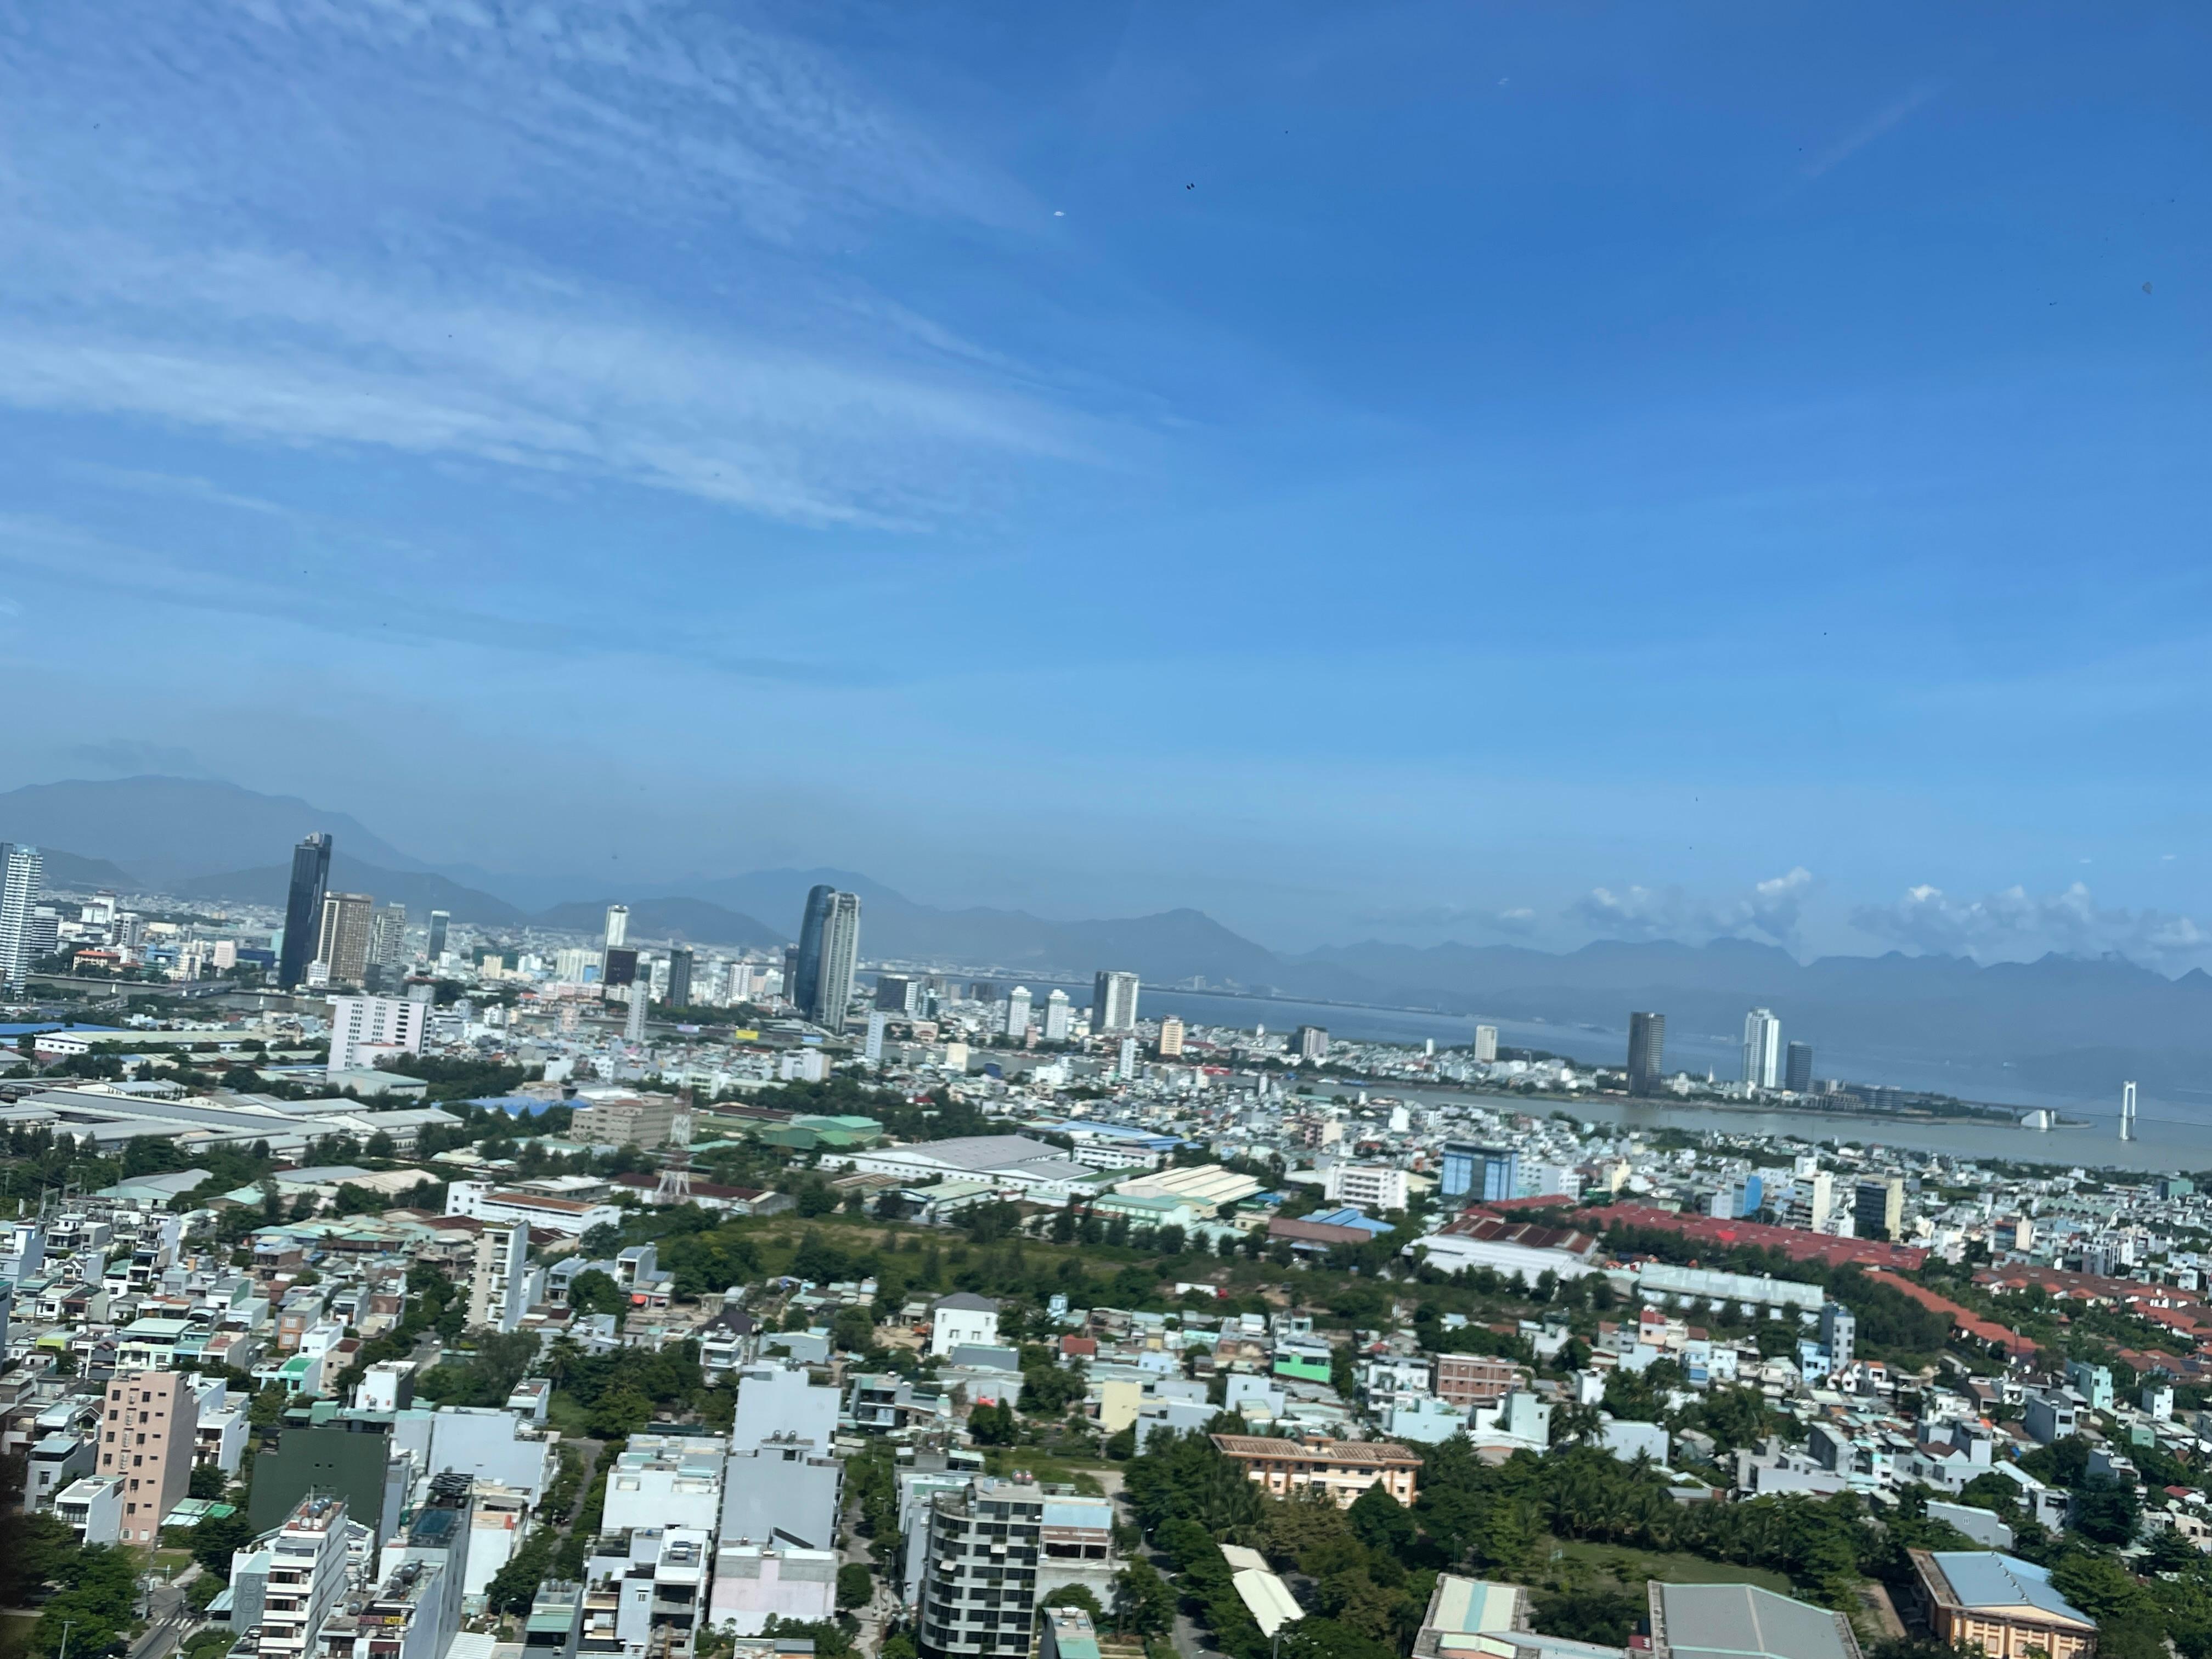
<point>568,237</point>
<point>2015,920</point>
<point>1886,119</point>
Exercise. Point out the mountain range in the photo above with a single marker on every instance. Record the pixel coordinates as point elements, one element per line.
<point>2064,1022</point>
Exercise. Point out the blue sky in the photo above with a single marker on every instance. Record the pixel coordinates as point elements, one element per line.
<point>1431,471</point>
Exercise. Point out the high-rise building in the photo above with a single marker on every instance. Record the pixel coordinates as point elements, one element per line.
<point>806,971</point>
<point>303,908</point>
<point>364,1029</point>
<point>1820,1190</point>
<point>148,1431</point>
<point>625,1119</point>
<point>872,1051</point>
<point>899,993</point>
<point>1057,1017</point>
<point>680,961</point>
<point>387,943</point>
<point>1479,1174</point>
<point>1797,1068</point>
<point>1170,1037</point>
<point>1113,1002</point>
<point>42,937</point>
<point>1125,1060</point>
<point>342,941</point>
<point>836,962</point>
<point>1878,1209</point>
<point>1762,1049</point>
<point>2127,1111</point>
<point>996,1551</point>
<point>22,877</point>
<point>640,1002</point>
<point>1486,1044</point>
<point>617,931</point>
<point>307,1578</point>
<point>496,1277</point>
<point>1646,1052</point>
<point>1838,1334</point>
<point>1310,1044</point>
<point>441,921</point>
<point>1017,1013</point>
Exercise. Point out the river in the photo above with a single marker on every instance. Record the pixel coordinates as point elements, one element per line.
<point>2170,1135</point>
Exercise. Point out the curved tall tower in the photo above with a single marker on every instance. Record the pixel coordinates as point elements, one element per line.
<point>806,971</point>
<point>837,958</point>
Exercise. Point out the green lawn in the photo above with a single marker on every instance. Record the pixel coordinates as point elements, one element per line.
<point>566,1413</point>
<point>1630,1567</point>
<point>15,1630</point>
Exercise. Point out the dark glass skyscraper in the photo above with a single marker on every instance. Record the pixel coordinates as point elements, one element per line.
<point>679,976</point>
<point>837,961</point>
<point>808,975</point>
<point>1646,1052</point>
<point>303,908</point>
<point>1797,1068</point>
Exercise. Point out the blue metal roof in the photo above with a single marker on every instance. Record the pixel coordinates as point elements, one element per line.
<point>1985,1578</point>
<point>1349,1218</point>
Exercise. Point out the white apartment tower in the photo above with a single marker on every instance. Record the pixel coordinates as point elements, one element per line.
<point>1486,1044</point>
<point>498,1276</point>
<point>22,876</point>
<point>363,1030</point>
<point>1114,1001</point>
<point>1017,1013</point>
<point>1056,1016</point>
<point>618,926</point>
<point>388,938</point>
<point>306,1576</point>
<point>996,1550</point>
<point>1762,1049</point>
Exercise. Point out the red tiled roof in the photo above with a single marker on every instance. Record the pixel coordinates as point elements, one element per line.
<point>1962,1318</point>
<point>1795,1242</point>
<point>1489,1229</point>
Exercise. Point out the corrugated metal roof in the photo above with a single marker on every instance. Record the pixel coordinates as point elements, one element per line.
<point>1743,1621</point>
<point>1985,1579</point>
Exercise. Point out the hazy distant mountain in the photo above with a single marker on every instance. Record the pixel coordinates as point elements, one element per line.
<point>166,830</point>
<point>2066,1023</point>
<point>1174,945</point>
<point>421,892</point>
<point>67,872</point>
<point>693,921</point>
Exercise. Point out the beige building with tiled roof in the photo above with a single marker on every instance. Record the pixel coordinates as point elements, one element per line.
<point>1344,1468</point>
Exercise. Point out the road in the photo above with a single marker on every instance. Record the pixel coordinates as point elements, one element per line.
<point>170,1617</point>
<point>884,1604</point>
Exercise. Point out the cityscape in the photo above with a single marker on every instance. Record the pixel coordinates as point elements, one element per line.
<point>610,1294</point>
<point>1256,831</point>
